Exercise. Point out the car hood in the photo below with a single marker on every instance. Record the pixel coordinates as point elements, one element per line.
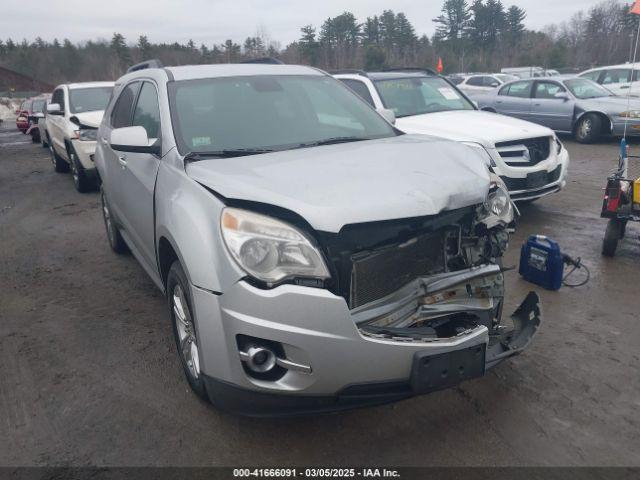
<point>337,185</point>
<point>485,128</point>
<point>613,105</point>
<point>90,119</point>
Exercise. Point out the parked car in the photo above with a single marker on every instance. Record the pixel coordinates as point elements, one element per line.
<point>528,72</point>
<point>576,106</point>
<point>36,118</point>
<point>313,257</point>
<point>22,116</point>
<point>530,159</point>
<point>483,82</point>
<point>71,124</point>
<point>616,78</point>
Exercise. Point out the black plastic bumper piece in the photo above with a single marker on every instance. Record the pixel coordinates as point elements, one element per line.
<point>240,401</point>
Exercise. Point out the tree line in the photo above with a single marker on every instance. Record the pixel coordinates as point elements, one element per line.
<point>470,35</point>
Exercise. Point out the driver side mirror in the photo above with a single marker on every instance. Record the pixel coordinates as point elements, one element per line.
<point>134,140</point>
<point>54,109</point>
<point>562,96</point>
<point>388,114</point>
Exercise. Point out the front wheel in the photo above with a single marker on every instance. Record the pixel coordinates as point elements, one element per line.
<point>611,237</point>
<point>589,128</point>
<point>59,165</point>
<point>184,328</point>
<point>81,181</point>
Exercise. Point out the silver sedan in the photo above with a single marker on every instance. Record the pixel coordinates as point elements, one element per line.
<point>577,106</point>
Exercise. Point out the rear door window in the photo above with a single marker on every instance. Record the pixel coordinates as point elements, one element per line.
<point>360,88</point>
<point>617,75</point>
<point>517,89</point>
<point>123,109</point>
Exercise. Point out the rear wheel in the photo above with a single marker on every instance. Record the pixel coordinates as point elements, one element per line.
<point>611,237</point>
<point>589,128</point>
<point>116,242</point>
<point>184,328</point>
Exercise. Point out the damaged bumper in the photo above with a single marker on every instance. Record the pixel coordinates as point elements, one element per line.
<point>432,335</point>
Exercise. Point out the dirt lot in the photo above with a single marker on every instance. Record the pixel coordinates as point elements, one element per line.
<point>88,372</point>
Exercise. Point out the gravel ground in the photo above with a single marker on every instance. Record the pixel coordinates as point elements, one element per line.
<point>89,376</point>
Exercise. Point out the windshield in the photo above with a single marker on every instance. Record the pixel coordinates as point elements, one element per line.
<point>89,99</point>
<point>583,88</point>
<point>418,95</point>
<point>269,112</point>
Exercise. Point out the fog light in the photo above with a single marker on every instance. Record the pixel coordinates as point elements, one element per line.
<point>260,359</point>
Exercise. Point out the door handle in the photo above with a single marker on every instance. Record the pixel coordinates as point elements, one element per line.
<point>122,160</point>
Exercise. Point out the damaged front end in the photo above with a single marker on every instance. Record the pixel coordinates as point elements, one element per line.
<point>440,279</point>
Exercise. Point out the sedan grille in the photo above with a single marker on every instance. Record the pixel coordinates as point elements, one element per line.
<point>377,274</point>
<point>525,153</point>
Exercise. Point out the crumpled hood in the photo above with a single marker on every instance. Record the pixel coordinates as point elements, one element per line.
<point>472,126</point>
<point>90,119</point>
<point>337,185</point>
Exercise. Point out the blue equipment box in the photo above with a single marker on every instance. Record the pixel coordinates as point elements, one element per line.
<point>541,262</point>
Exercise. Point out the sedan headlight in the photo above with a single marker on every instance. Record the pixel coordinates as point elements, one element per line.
<point>631,114</point>
<point>483,152</point>
<point>268,249</point>
<point>87,134</point>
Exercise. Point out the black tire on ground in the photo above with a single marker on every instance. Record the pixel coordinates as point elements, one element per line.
<point>611,237</point>
<point>35,139</point>
<point>116,242</point>
<point>178,293</point>
<point>82,182</point>
<point>59,165</point>
<point>589,128</point>
<point>45,144</point>
<point>623,228</point>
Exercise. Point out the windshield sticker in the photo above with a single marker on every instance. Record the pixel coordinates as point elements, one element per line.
<point>448,93</point>
<point>200,141</point>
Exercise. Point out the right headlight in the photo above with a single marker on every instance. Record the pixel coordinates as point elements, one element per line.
<point>268,249</point>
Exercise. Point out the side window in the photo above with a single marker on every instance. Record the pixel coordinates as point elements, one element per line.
<point>547,90</point>
<point>58,97</point>
<point>475,81</point>
<point>595,75</point>
<point>617,75</point>
<point>360,88</point>
<point>517,89</point>
<point>121,114</point>
<point>147,112</point>
<point>490,82</point>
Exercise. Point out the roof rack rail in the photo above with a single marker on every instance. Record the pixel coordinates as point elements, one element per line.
<point>430,71</point>
<point>154,63</point>
<point>264,60</point>
<point>352,71</point>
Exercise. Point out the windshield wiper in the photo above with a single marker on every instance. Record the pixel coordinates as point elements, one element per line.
<point>240,152</point>
<point>332,141</point>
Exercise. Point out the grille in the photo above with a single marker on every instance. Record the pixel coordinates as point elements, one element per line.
<point>525,153</point>
<point>382,272</point>
<point>515,184</point>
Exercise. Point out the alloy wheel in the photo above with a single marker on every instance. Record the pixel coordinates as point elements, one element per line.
<point>188,345</point>
<point>585,128</point>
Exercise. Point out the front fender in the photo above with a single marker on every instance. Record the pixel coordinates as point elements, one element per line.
<point>600,113</point>
<point>188,216</point>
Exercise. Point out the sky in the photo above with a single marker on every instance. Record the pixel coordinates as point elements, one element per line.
<point>214,21</point>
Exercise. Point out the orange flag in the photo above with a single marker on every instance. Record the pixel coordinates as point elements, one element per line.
<point>440,67</point>
<point>636,8</point>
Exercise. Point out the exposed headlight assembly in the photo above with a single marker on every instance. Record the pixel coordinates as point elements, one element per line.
<point>268,249</point>
<point>558,145</point>
<point>483,152</point>
<point>631,114</point>
<point>498,207</point>
<point>87,134</point>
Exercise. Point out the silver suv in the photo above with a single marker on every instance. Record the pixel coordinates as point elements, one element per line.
<point>313,257</point>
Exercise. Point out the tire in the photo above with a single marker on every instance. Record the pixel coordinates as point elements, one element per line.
<point>611,237</point>
<point>45,144</point>
<point>59,165</point>
<point>35,139</point>
<point>589,128</point>
<point>116,242</point>
<point>82,182</point>
<point>184,328</point>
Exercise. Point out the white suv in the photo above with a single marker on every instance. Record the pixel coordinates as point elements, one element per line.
<point>71,125</point>
<point>528,157</point>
